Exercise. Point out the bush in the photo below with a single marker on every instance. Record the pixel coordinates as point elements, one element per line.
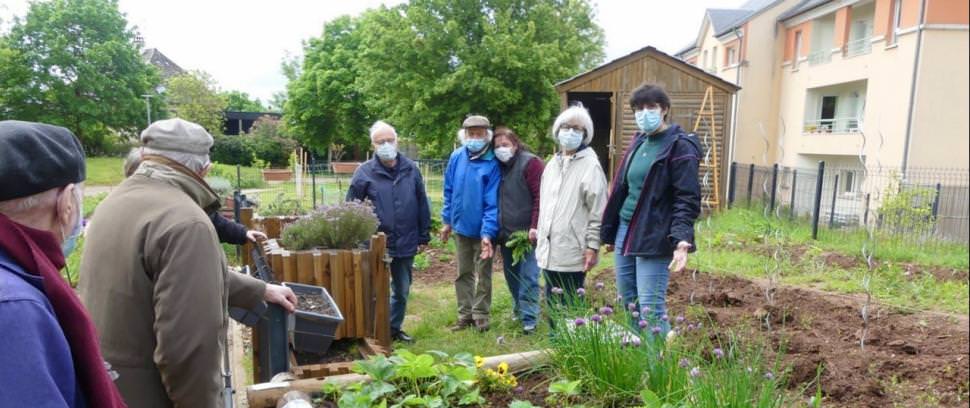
<point>245,149</point>
<point>251,178</point>
<point>340,226</point>
<point>221,186</point>
<point>231,150</point>
<point>282,206</point>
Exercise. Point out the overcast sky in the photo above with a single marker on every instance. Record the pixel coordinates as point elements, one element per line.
<point>241,42</point>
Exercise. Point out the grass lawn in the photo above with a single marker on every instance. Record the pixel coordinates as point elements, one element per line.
<point>105,171</point>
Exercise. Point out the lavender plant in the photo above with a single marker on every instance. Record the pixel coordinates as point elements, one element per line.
<point>339,226</point>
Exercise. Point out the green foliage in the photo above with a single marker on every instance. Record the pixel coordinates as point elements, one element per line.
<point>75,63</point>
<point>231,150</point>
<point>287,206</point>
<point>195,97</point>
<point>249,177</point>
<point>907,209</point>
<point>340,226</point>
<point>265,145</point>
<point>241,102</point>
<point>520,244</point>
<point>426,64</point>
<point>104,171</point>
<point>564,392</point>
<point>432,379</point>
<point>421,262</point>
<point>221,186</point>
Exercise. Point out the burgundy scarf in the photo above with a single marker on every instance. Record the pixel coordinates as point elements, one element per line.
<point>39,254</point>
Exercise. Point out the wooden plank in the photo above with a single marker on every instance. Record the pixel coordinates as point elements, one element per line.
<point>347,260</point>
<point>319,269</point>
<point>246,219</point>
<point>337,292</point>
<point>359,312</point>
<point>276,264</point>
<point>382,281</point>
<point>304,267</point>
<point>367,271</point>
<point>289,266</point>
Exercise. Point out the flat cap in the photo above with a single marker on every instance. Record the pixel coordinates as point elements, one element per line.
<point>36,157</point>
<point>177,135</point>
<point>476,121</point>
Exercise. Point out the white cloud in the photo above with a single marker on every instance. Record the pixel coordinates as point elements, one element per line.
<point>242,42</point>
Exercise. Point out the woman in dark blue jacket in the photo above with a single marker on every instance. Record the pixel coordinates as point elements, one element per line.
<point>394,185</point>
<point>650,213</point>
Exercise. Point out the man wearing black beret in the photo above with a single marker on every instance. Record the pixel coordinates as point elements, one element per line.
<point>49,352</point>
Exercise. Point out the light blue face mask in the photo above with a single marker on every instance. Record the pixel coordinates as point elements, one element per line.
<point>570,139</point>
<point>386,151</point>
<point>70,242</point>
<point>474,145</point>
<point>648,120</point>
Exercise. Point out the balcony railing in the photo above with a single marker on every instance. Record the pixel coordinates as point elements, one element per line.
<point>858,47</point>
<point>834,125</point>
<point>819,57</point>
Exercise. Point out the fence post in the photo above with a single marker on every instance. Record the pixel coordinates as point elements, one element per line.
<point>936,201</point>
<point>817,208</point>
<point>238,178</point>
<point>750,181</point>
<point>313,180</point>
<point>794,186</point>
<point>835,194</point>
<point>865,216</point>
<point>731,183</point>
<point>774,185</point>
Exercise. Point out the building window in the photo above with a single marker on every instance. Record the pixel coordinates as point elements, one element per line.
<point>798,48</point>
<point>897,18</point>
<point>826,117</point>
<point>732,57</point>
<point>847,181</point>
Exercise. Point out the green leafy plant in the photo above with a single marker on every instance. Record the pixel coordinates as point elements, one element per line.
<point>564,392</point>
<point>521,404</point>
<point>520,244</point>
<point>907,209</point>
<point>421,262</point>
<point>283,206</point>
<point>221,186</point>
<point>340,226</point>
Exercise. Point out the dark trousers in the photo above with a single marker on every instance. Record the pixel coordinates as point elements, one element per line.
<point>400,288</point>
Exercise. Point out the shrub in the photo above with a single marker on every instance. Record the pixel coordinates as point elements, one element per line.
<point>340,226</point>
<point>231,150</point>
<point>221,186</point>
<point>283,206</point>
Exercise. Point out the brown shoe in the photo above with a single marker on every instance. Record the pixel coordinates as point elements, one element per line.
<point>482,325</point>
<point>462,324</point>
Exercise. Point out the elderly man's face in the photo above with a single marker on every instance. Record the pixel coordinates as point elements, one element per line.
<point>476,133</point>
<point>383,136</point>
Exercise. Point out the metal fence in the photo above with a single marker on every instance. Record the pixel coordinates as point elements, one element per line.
<point>321,183</point>
<point>921,203</point>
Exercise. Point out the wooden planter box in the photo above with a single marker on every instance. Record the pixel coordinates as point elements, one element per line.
<point>344,167</point>
<point>272,226</point>
<point>277,174</point>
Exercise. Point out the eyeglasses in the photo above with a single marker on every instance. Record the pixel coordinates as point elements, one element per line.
<point>567,126</point>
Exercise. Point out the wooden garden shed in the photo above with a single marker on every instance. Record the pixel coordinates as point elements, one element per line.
<point>605,92</point>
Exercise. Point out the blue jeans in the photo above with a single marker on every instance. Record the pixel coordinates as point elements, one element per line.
<point>642,281</point>
<point>400,287</point>
<point>523,281</point>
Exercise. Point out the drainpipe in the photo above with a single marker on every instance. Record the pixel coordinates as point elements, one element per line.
<point>912,87</point>
<point>737,99</point>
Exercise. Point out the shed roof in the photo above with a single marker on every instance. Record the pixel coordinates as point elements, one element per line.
<point>651,51</point>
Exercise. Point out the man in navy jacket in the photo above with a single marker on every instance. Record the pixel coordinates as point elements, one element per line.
<point>393,184</point>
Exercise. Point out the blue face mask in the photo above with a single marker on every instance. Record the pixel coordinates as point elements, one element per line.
<point>70,242</point>
<point>648,120</point>
<point>570,139</point>
<point>386,151</point>
<point>474,145</point>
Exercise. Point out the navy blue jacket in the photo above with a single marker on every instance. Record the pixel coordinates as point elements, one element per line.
<point>36,367</point>
<point>399,200</point>
<point>229,231</point>
<point>669,202</point>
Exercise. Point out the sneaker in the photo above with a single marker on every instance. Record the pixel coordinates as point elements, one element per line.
<point>482,325</point>
<point>529,329</point>
<point>403,337</point>
<point>462,325</point>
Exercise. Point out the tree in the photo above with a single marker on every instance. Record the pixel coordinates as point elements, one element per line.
<point>424,66</point>
<point>75,63</point>
<point>241,102</point>
<point>324,104</point>
<point>195,97</point>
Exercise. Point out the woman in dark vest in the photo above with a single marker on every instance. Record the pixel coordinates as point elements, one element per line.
<point>519,211</point>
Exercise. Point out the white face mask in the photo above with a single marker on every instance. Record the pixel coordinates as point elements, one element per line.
<point>386,151</point>
<point>504,154</point>
<point>570,139</point>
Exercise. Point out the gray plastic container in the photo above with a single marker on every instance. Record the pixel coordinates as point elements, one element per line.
<point>312,332</point>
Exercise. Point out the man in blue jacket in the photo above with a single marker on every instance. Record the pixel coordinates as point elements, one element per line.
<point>394,185</point>
<point>470,210</point>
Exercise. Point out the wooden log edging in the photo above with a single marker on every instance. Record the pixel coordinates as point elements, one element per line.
<point>266,394</point>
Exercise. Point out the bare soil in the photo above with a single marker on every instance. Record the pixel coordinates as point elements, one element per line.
<point>314,303</point>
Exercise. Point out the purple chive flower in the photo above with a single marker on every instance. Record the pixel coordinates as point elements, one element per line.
<point>600,285</point>
<point>636,315</point>
<point>581,292</point>
<point>642,324</point>
<point>695,372</point>
<point>684,363</point>
<point>645,310</point>
<point>596,318</point>
<point>624,342</point>
<point>579,321</point>
<point>680,319</point>
<point>631,307</point>
<point>556,290</point>
<point>635,342</point>
<point>665,317</point>
<point>769,376</point>
<point>619,298</point>
<point>690,327</point>
<point>655,329</point>
<point>606,310</point>
<point>518,390</point>
<point>718,352</point>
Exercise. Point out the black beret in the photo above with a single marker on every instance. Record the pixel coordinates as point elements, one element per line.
<point>35,157</point>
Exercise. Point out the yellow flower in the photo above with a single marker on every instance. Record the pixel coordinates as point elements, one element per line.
<point>479,361</point>
<point>503,368</point>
